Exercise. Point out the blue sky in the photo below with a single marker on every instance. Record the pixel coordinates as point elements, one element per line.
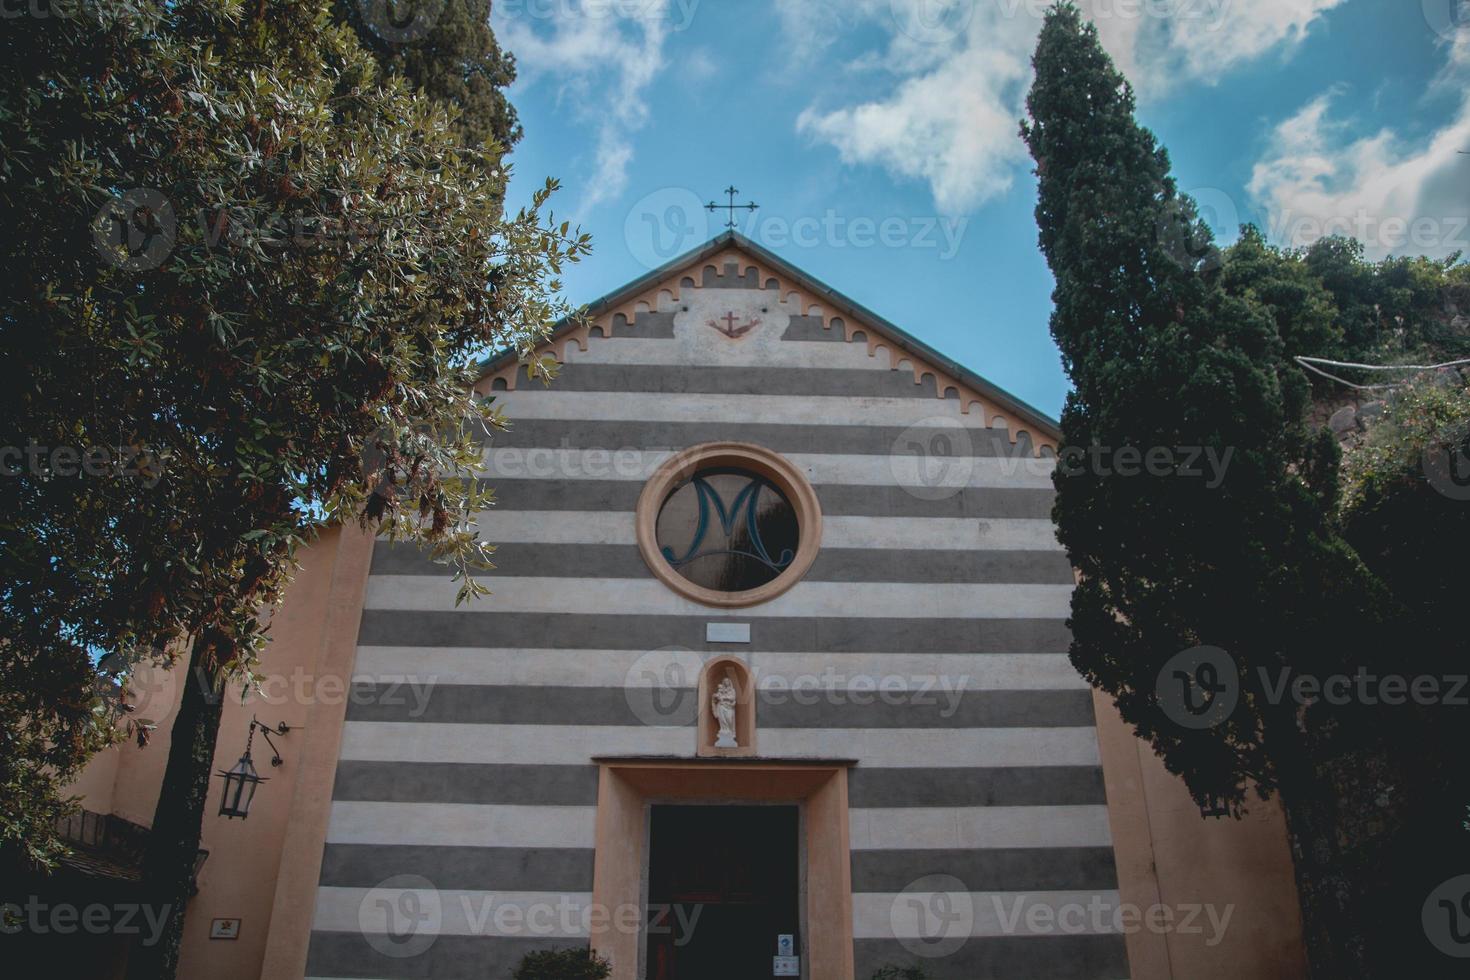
<point>879,138</point>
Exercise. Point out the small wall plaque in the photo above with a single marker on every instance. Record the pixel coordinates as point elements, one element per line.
<point>785,945</point>
<point>727,633</point>
<point>224,929</point>
<point>788,966</point>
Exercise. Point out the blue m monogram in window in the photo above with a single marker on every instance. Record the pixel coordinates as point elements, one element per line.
<point>728,529</point>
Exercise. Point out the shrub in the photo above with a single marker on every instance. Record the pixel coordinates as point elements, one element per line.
<point>891,972</point>
<point>563,964</point>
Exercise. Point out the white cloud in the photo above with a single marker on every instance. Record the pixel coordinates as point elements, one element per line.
<point>602,57</point>
<point>1199,40</point>
<point>699,66</point>
<point>1397,196</point>
<point>815,23</point>
<point>953,126</point>
<point>960,70</point>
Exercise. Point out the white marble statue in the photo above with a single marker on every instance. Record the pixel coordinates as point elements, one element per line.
<point>724,708</point>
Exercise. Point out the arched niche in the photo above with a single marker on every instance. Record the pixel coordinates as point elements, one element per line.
<point>739,674</point>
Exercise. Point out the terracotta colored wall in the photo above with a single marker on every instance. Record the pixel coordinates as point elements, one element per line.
<point>96,782</point>
<point>1170,855</point>
<point>240,877</point>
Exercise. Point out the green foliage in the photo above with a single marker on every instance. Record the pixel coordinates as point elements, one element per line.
<point>53,687</point>
<point>456,62</point>
<point>1295,564</point>
<point>1392,310</point>
<point>1283,283</point>
<point>891,972</point>
<point>564,964</point>
<point>234,245</point>
<point>1165,350</point>
<point>1396,311</point>
<point>1405,495</point>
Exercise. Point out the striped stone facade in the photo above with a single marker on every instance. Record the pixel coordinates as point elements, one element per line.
<point>925,649</point>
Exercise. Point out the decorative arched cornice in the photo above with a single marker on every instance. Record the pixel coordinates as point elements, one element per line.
<point>662,292</point>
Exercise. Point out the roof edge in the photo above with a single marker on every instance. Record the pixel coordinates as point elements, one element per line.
<point>840,302</point>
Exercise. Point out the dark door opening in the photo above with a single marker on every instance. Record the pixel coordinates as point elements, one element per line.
<point>723,885</point>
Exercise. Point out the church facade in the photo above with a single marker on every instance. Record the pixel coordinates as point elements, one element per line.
<point>773,682</point>
<point>865,562</point>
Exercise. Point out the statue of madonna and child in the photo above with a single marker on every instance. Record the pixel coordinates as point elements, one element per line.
<point>723,705</point>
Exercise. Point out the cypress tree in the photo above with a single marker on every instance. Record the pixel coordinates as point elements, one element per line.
<point>446,50</point>
<point>1173,359</point>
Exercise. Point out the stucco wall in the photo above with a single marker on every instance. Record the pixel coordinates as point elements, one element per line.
<point>1232,878</point>
<point>239,879</point>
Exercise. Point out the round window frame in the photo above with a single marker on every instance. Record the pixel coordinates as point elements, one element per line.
<point>681,468</point>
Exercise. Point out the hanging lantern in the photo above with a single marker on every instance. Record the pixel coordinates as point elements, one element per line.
<point>240,783</point>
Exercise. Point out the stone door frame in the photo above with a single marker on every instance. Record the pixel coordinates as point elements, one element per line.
<point>627,789</point>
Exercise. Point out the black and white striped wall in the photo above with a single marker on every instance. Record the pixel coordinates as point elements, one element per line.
<point>465,794</point>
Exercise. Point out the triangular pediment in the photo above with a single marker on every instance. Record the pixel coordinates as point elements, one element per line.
<point>733,302</point>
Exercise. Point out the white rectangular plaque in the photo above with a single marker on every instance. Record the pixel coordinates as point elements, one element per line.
<point>785,945</point>
<point>788,966</point>
<point>727,633</point>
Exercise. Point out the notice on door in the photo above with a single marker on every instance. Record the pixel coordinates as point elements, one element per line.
<point>788,966</point>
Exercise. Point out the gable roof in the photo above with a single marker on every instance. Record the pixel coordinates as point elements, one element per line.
<point>1029,417</point>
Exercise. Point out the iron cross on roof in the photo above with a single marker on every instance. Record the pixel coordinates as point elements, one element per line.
<point>732,207</point>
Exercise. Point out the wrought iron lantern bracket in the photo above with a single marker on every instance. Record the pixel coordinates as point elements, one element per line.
<point>241,780</point>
